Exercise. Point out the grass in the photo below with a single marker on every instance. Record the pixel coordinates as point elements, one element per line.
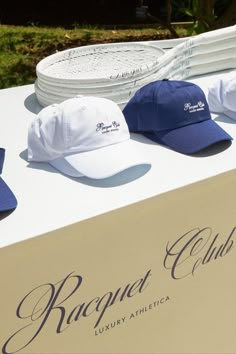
<point>21,48</point>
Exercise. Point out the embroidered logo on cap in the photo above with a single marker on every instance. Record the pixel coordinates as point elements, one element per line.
<point>107,128</point>
<point>194,108</point>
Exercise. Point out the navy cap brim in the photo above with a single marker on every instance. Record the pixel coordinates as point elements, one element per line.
<point>7,198</point>
<point>192,138</point>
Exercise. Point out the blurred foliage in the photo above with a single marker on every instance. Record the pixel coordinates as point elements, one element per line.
<point>200,19</point>
<point>204,14</point>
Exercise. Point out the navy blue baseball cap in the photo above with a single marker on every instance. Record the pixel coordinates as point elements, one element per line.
<point>7,198</point>
<point>174,113</point>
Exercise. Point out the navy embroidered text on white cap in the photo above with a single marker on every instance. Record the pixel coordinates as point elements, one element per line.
<point>83,136</point>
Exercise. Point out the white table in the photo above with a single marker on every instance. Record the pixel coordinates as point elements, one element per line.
<point>48,200</point>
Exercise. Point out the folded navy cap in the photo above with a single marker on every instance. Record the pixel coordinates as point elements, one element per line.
<point>7,198</point>
<point>174,113</point>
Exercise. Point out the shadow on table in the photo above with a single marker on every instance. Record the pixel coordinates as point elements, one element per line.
<point>5,214</point>
<point>223,118</point>
<point>129,175</point>
<point>213,149</point>
<point>31,103</point>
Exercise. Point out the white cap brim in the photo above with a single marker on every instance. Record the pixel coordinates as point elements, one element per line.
<point>101,163</point>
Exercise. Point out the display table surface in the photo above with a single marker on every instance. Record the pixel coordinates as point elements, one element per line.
<point>48,200</point>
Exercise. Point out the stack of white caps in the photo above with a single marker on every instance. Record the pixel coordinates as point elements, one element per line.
<point>111,71</point>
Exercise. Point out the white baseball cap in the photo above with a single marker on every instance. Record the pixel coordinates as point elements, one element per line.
<point>222,95</point>
<point>83,136</point>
